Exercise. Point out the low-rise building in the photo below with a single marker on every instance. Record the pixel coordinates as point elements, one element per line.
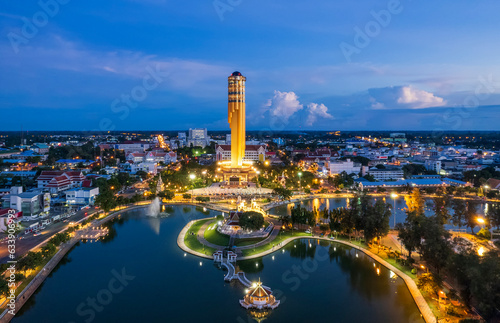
<point>150,168</point>
<point>252,152</point>
<point>348,166</point>
<point>386,174</point>
<point>433,165</point>
<point>30,203</point>
<point>56,181</point>
<point>82,196</point>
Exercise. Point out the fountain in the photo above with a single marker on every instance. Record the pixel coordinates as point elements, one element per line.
<point>154,208</point>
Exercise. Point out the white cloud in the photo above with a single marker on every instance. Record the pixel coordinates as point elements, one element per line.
<point>403,97</point>
<point>315,111</point>
<point>419,99</point>
<point>284,104</point>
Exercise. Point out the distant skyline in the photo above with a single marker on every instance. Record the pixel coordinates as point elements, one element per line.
<point>163,65</point>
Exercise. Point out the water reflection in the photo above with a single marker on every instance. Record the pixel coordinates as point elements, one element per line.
<point>335,203</point>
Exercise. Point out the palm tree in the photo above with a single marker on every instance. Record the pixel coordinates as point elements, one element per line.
<point>285,220</point>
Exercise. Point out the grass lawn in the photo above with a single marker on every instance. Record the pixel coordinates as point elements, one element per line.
<point>284,235</point>
<point>191,239</point>
<point>215,237</point>
<point>247,242</point>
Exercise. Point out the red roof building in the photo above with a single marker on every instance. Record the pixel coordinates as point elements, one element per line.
<point>57,181</point>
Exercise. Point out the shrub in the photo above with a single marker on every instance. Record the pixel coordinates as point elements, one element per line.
<point>202,199</point>
<point>484,233</point>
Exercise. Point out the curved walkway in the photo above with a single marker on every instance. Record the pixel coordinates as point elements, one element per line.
<point>410,283</point>
<point>182,245</point>
<point>201,236</point>
<point>267,240</point>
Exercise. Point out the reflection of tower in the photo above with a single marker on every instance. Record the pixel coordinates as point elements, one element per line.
<point>236,117</point>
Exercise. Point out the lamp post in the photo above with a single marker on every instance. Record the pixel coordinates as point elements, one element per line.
<point>300,175</point>
<point>394,196</point>
<point>192,177</point>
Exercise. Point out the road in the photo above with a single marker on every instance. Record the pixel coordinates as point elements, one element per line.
<point>28,241</point>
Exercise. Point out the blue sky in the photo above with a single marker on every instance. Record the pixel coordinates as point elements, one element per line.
<point>321,65</point>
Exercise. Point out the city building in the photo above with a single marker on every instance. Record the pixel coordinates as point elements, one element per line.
<point>386,174</point>
<point>82,195</point>
<point>198,137</point>
<point>252,152</point>
<point>348,166</point>
<point>56,181</point>
<point>150,168</point>
<point>433,165</point>
<point>131,146</point>
<point>30,203</point>
<point>419,183</point>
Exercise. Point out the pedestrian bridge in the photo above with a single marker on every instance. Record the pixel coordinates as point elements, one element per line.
<point>231,271</point>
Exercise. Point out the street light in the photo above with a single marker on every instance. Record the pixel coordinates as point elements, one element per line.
<point>300,175</point>
<point>394,197</point>
<point>480,221</point>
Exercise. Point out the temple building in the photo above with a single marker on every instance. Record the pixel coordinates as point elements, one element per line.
<point>259,297</point>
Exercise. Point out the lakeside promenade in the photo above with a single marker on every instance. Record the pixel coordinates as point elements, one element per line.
<point>37,281</point>
<point>420,301</point>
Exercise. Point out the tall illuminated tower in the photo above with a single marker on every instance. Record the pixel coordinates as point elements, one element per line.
<point>236,117</point>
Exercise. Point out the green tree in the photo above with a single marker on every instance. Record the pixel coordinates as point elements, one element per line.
<point>436,248</point>
<point>471,215</point>
<point>283,193</point>
<point>494,215</point>
<point>376,220</point>
<point>4,287</point>
<point>31,261</point>
<point>415,202</point>
<point>48,250</point>
<point>251,220</point>
<point>429,283</point>
<point>169,195</point>
<point>459,210</point>
<point>411,231</point>
<point>285,220</point>
<point>106,200</point>
<point>441,205</point>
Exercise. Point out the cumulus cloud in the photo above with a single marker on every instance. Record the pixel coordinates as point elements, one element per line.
<point>419,99</point>
<point>315,111</point>
<point>284,104</point>
<point>403,97</point>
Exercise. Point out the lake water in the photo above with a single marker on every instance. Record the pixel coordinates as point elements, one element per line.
<point>315,281</point>
<point>335,203</point>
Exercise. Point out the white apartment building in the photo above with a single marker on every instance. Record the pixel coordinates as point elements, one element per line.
<point>386,174</point>
<point>433,165</point>
<point>198,137</point>
<point>348,166</point>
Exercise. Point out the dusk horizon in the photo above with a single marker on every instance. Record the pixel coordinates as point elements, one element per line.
<point>335,66</point>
